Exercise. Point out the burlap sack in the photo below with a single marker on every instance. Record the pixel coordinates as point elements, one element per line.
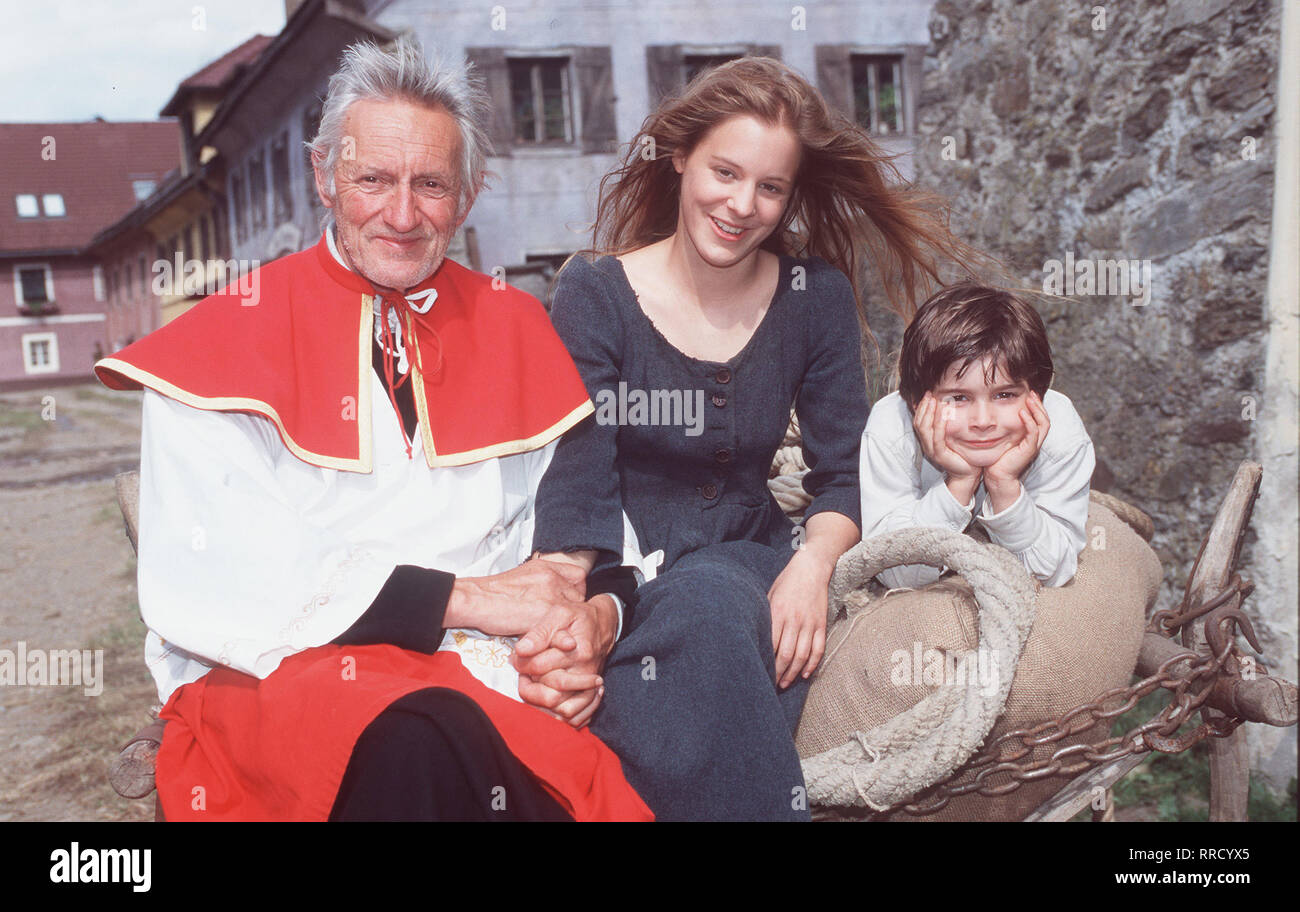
<point>1085,640</point>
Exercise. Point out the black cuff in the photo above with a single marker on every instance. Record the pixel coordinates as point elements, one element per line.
<point>620,581</point>
<point>407,612</point>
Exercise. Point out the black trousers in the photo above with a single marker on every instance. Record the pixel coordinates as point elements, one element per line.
<point>434,755</point>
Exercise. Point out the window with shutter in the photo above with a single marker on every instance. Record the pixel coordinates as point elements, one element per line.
<point>257,189</point>
<point>873,86</point>
<point>663,64</point>
<point>489,64</point>
<point>540,104</point>
<point>310,127</point>
<point>280,189</point>
<point>877,89</point>
<point>670,67</point>
<point>695,64</point>
<point>220,235</point>
<point>834,76</point>
<point>556,98</point>
<point>237,207</point>
<point>595,73</point>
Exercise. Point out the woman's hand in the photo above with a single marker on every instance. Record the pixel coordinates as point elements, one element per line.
<point>798,599</point>
<point>566,695</point>
<point>800,594</point>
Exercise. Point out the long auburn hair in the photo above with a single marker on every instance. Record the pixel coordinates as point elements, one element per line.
<point>848,195</point>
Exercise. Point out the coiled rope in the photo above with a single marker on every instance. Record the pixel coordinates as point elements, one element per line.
<point>927,743</point>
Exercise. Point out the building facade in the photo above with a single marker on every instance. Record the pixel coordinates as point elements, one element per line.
<point>258,131</point>
<point>60,184</point>
<point>569,85</point>
<point>172,249</point>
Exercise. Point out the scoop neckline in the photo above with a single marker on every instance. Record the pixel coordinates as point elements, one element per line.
<point>734,359</point>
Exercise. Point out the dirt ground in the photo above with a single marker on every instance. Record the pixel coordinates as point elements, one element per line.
<point>67,581</point>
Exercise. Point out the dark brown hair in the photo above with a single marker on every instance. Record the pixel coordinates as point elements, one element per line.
<point>968,322</point>
<point>848,196</point>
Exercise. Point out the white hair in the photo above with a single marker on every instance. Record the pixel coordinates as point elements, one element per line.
<point>401,71</point>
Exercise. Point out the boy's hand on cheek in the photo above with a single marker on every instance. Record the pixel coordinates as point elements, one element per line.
<point>931,426</point>
<point>1002,479</point>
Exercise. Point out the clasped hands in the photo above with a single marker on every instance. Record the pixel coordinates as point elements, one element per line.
<point>563,637</point>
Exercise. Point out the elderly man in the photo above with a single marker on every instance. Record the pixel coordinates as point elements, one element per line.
<point>337,482</point>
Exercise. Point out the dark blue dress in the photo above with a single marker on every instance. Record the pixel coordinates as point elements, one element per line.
<point>684,447</point>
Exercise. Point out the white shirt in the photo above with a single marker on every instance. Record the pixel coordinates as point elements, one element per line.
<point>1044,527</point>
<point>248,554</point>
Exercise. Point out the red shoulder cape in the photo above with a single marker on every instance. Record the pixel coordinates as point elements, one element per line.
<point>491,377</point>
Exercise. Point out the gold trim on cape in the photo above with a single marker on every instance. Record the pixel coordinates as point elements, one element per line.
<point>365,441</point>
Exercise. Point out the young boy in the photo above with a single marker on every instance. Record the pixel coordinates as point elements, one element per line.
<point>973,431</point>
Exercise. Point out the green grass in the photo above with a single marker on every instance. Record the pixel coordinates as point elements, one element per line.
<point>1263,804</point>
<point>26,418</point>
<point>88,392</point>
<point>1176,787</point>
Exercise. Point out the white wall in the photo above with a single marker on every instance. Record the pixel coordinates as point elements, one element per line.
<point>1275,569</point>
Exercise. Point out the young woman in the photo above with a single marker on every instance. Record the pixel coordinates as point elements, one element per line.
<point>724,294</point>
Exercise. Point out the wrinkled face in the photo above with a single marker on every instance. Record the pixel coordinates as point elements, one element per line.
<point>735,186</point>
<point>397,185</point>
<point>983,418</point>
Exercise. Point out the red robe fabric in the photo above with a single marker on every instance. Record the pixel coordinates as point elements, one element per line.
<point>293,343</point>
<point>236,748</point>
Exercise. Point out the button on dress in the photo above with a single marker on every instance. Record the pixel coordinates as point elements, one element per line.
<point>691,705</point>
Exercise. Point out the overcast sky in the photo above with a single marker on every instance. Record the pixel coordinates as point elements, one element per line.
<point>64,60</point>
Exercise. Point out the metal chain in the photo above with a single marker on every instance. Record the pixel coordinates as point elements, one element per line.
<point>1190,689</point>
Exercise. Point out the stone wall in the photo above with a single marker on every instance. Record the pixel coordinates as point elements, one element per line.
<point>1131,132</point>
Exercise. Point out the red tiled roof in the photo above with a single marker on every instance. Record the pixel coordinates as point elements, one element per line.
<point>220,71</point>
<point>93,166</point>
